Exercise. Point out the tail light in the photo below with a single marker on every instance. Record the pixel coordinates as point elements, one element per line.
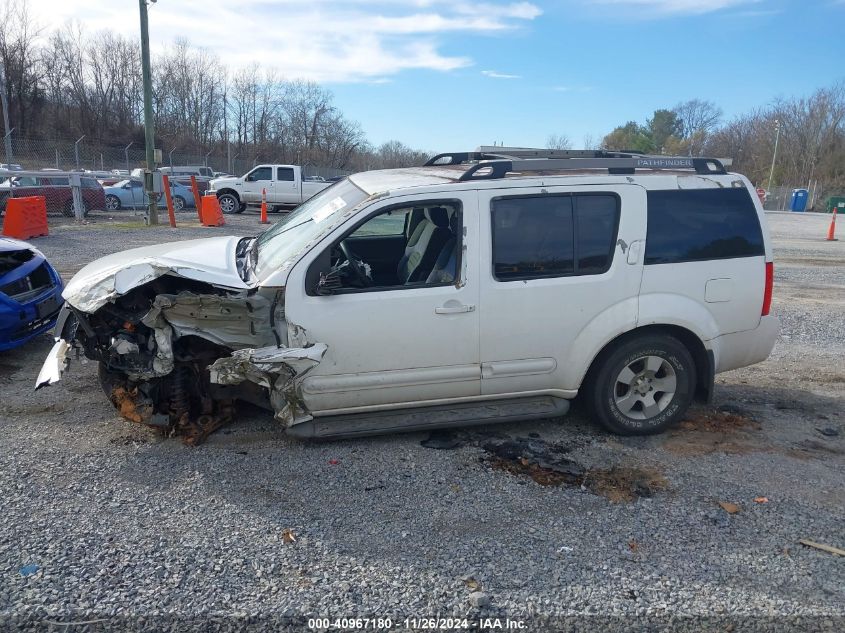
<point>767,293</point>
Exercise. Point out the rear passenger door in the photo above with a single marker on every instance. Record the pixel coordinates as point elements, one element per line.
<point>560,275</point>
<point>285,189</point>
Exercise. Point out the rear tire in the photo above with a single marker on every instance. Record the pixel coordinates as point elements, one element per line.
<point>642,386</point>
<point>179,203</point>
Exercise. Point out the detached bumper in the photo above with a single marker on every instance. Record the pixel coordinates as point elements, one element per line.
<point>56,361</point>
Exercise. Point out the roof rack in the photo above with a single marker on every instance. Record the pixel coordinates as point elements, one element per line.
<point>488,163</point>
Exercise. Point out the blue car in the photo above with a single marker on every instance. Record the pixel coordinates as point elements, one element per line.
<point>30,293</point>
<point>129,194</point>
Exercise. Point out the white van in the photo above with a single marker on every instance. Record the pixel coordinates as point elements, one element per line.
<point>481,287</point>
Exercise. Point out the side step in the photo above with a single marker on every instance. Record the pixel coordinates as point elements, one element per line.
<point>439,416</point>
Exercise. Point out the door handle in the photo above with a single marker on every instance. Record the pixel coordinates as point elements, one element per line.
<point>454,309</point>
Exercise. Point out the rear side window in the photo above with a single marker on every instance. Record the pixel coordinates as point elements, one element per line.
<point>286,174</point>
<point>553,236</point>
<point>700,224</point>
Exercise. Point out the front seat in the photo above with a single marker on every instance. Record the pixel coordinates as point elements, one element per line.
<point>446,265</point>
<point>424,245</point>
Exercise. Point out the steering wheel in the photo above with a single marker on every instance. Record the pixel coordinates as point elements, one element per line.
<point>354,265</point>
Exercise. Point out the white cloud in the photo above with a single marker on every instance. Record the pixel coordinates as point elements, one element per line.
<point>325,40</point>
<point>681,7</point>
<point>497,75</point>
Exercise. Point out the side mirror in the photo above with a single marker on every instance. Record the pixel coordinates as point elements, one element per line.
<point>329,283</point>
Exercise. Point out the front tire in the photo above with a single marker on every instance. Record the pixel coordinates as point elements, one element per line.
<point>179,203</point>
<point>112,203</point>
<point>229,203</point>
<point>642,386</point>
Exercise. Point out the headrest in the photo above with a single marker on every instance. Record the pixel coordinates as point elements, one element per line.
<point>439,216</point>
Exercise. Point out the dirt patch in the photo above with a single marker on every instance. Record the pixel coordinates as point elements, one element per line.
<point>825,377</point>
<point>706,431</point>
<point>813,449</point>
<point>724,420</point>
<point>33,409</point>
<point>547,465</point>
<point>810,261</point>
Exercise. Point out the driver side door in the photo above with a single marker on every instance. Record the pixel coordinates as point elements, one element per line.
<point>255,181</point>
<point>397,345</point>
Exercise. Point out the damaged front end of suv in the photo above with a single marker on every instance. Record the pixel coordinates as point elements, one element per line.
<point>179,335</point>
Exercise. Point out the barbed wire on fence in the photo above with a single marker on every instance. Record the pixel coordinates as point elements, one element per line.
<point>67,154</point>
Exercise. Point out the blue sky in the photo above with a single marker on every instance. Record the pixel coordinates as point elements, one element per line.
<point>452,74</point>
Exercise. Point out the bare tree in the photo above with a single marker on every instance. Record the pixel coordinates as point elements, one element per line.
<point>558,141</point>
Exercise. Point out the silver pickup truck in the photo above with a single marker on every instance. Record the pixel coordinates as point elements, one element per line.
<point>284,185</point>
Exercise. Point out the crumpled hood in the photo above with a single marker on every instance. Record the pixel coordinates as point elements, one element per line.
<point>211,260</point>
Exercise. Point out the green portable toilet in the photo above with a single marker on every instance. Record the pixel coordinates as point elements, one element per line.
<point>838,202</point>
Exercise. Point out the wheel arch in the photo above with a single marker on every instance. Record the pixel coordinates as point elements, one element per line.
<point>229,190</point>
<point>705,364</point>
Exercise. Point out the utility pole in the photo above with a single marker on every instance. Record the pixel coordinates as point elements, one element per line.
<point>775,153</point>
<point>7,139</point>
<point>149,133</point>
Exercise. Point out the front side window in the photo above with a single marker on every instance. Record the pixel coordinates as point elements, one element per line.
<point>262,173</point>
<point>388,251</point>
<point>553,236</point>
<point>686,225</point>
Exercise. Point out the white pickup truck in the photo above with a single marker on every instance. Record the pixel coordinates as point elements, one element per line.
<point>284,184</point>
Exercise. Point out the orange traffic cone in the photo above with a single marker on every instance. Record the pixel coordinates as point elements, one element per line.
<point>832,228</point>
<point>264,219</point>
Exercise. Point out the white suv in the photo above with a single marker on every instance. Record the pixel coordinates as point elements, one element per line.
<point>481,287</point>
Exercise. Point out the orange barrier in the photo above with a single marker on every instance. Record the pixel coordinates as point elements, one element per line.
<point>25,217</point>
<point>211,213</point>
<point>197,199</point>
<point>831,230</point>
<point>169,199</point>
<point>264,219</point>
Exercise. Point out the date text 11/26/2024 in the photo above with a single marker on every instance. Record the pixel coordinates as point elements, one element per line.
<point>416,624</point>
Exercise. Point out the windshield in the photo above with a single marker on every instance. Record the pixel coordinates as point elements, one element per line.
<point>291,234</point>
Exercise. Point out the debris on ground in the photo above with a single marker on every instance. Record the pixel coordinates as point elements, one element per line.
<point>761,500</point>
<point>479,600</point>
<point>547,465</point>
<point>472,583</point>
<point>288,536</point>
<point>442,440</point>
<point>28,570</point>
<point>829,431</point>
<point>730,508</point>
<point>825,548</point>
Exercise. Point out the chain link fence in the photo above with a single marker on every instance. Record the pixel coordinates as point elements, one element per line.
<point>780,198</point>
<point>92,155</point>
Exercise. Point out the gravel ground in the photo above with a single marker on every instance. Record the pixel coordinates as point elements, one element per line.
<point>108,526</point>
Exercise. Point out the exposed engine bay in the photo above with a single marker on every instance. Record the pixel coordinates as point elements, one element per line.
<point>174,354</point>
